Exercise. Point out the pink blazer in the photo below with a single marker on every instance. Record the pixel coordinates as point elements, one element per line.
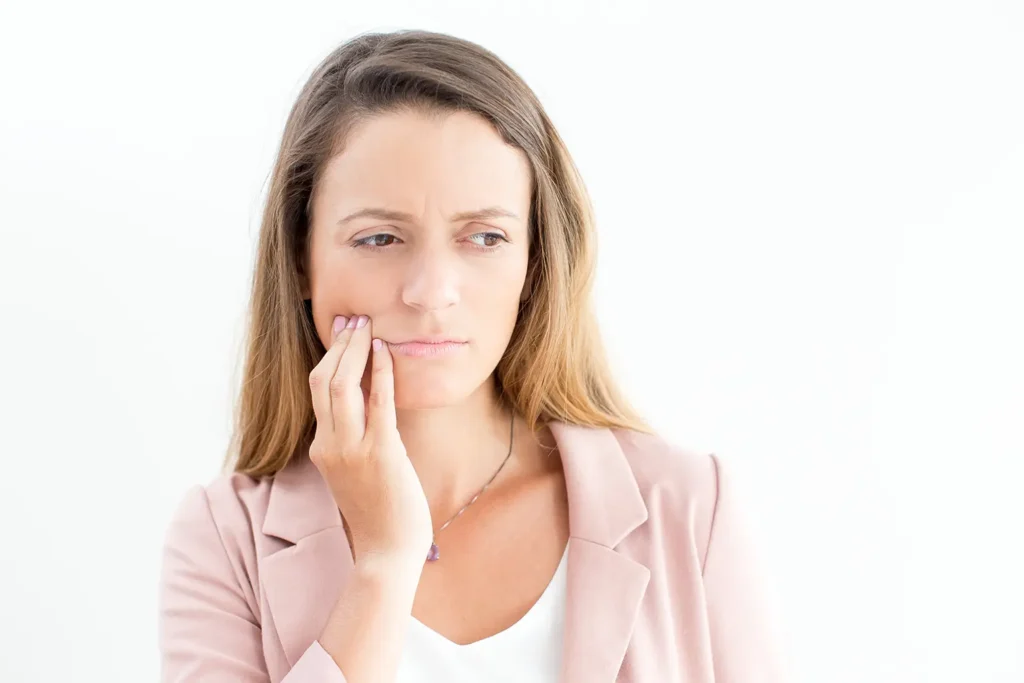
<point>661,585</point>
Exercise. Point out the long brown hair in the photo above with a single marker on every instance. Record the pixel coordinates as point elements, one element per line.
<point>554,367</point>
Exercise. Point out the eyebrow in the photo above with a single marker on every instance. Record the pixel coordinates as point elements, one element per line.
<point>389,215</point>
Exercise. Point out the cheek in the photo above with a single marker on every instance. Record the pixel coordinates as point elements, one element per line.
<point>493,308</point>
<point>346,289</point>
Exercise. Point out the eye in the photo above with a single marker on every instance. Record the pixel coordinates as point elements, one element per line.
<point>378,241</point>
<point>491,239</point>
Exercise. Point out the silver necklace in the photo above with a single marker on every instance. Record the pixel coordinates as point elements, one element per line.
<point>434,553</point>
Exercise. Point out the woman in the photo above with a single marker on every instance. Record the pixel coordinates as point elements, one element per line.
<point>436,478</point>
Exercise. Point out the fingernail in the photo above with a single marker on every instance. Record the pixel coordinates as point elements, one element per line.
<point>339,324</point>
<point>362,321</point>
<point>352,322</point>
<point>377,344</point>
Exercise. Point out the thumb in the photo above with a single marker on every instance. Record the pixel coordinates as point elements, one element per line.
<point>380,416</point>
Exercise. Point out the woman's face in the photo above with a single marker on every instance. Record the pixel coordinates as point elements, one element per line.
<point>424,271</point>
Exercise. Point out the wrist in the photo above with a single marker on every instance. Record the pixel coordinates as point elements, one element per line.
<point>393,565</point>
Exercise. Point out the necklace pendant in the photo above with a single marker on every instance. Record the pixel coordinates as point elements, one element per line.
<point>434,553</point>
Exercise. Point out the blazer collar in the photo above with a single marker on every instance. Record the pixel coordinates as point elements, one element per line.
<point>300,502</point>
<point>604,589</point>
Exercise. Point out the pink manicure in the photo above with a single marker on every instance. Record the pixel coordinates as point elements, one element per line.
<point>352,322</point>
<point>339,323</point>
<point>362,321</point>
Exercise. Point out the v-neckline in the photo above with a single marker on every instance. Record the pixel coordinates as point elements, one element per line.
<point>545,596</point>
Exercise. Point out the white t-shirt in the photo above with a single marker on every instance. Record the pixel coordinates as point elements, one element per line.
<point>529,650</point>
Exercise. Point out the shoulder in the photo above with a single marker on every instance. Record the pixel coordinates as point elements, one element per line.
<point>682,487</point>
<point>227,509</point>
<point>665,468</point>
<point>214,539</point>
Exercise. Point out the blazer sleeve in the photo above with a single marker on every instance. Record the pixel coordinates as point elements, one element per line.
<point>207,631</point>
<point>745,642</point>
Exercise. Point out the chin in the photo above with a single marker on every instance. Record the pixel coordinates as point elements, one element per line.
<point>417,394</point>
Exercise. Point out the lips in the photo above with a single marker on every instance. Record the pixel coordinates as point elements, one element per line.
<point>427,349</point>
<point>431,340</point>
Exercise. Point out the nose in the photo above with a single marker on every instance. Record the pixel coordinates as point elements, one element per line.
<point>432,281</point>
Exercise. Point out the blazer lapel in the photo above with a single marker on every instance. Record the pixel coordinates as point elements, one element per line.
<point>302,581</point>
<point>605,588</point>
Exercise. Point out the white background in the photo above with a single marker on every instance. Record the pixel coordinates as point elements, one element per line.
<point>811,222</point>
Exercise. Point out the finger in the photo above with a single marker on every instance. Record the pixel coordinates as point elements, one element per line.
<point>320,378</point>
<point>346,396</point>
<point>381,420</point>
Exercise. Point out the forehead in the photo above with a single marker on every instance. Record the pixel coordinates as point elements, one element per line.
<point>413,162</point>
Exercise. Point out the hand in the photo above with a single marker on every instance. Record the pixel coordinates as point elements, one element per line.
<point>359,452</point>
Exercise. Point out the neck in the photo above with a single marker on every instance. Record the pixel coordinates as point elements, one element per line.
<point>456,449</point>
